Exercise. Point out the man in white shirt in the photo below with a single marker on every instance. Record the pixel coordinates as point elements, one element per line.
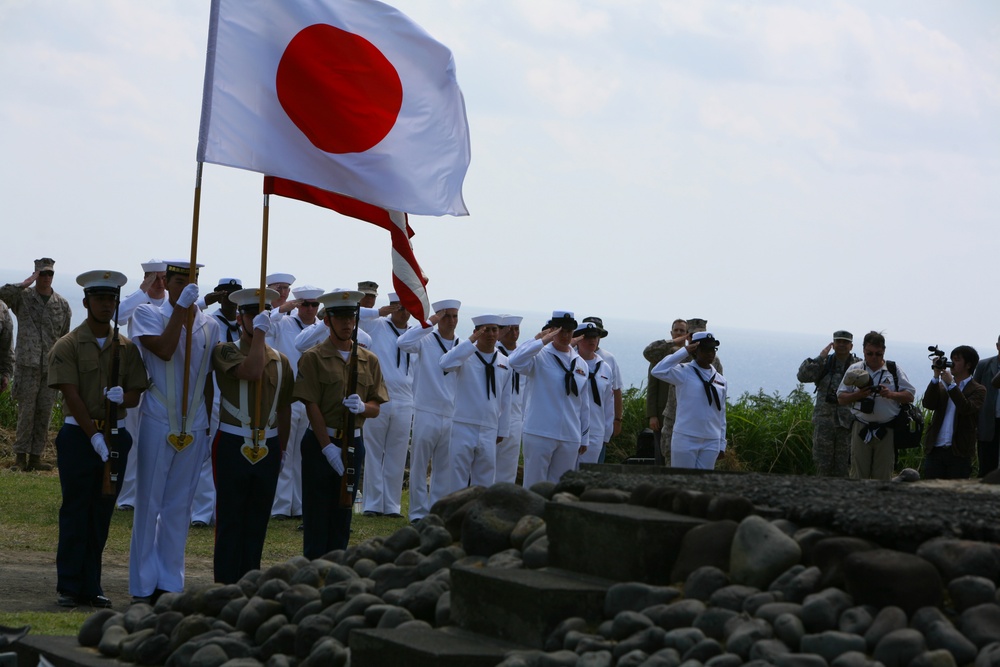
<point>433,403</point>
<point>509,449</point>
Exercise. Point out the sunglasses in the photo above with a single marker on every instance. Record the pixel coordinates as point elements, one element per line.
<point>309,304</point>
<point>47,273</point>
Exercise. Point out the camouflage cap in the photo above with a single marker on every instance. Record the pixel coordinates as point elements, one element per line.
<point>45,264</point>
<point>696,324</point>
<point>857,377</point>
<point>843,335</point>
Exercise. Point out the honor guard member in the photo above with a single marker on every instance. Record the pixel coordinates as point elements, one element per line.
<point>482,404</point>
<point>173,434</point>
<point>325,376</point>
<point>699,431</point>
<point>831,446</point>
<point>151,290</point>
<point>557,411</point>
<point>612,363</point>
<point>433,405</point>
<point>252,437</point>
<point>203,505</point>
<point>600,381</point>
<point>509,449</point>
<point>288,495</point>
<point>91,452</point>
<point>42,318</point>
<point>317,332</point>
<point>388,436</point>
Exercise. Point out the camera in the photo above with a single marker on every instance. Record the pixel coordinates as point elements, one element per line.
<point>938,359</point>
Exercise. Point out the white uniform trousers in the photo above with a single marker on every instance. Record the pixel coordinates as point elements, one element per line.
<point>386,440</point>
<point>203,504</point>
<point>688,451</point>
<point>592,455</point>
<point>166,481</point>
<point>509,453</point>
<point>288,494</point>
<point>428,445</point>
<point>546,459</point>
<point>126,494</point>
<point>473,455</point>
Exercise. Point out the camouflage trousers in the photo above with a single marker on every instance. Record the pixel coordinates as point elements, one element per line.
<point>34,409</point>
<point>831,449</point>
<point>666,434</point>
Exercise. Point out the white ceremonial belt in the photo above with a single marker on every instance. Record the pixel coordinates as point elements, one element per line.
<point>246,432</point>
<point>339,432</point>
<point>99,422</point>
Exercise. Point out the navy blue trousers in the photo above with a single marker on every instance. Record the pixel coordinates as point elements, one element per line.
<point>84,516</point>
<point>326,527</point>
<point>244,493</point>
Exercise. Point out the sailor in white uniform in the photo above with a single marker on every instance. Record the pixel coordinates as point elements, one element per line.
<point>387,436</point>
<point>482,404</point>
<point>433,405</point>
<point>173,438</point>
<point>150,291</point>
<point>557,412</point>
<point>600,380</point>
<point>509,448</point>
<point>699,434</point>
<point>285,329</point>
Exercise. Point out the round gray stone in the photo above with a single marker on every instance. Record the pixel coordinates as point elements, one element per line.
<point>761,552</point>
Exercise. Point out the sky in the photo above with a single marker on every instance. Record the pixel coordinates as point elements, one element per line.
<point>797,166</point>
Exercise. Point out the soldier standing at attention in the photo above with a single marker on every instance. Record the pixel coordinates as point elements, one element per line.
<point>80,366</point>
<point>831,421</point>
<point>322,385</point>
<point>246,469</point>
<point>42,318</point>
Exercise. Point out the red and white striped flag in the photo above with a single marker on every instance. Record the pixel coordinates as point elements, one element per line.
<point>407,278</point>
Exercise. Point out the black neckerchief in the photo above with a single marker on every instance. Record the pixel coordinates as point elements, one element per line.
<point>230,328</point>
<point>571,387</point>
<point>491,374</point>
<point>295,318</point>
<point>516,379</point>
<point>710,391</point>
<point>398,351</point>
<point>593,383</point>
<point>440,343</point>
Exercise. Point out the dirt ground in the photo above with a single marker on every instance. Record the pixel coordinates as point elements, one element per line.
<point>28,580</point>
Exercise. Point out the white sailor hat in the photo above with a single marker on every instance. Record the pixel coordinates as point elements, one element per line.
<point>510,320</point>
<point>231,284</point>
<point>445,304</point>
<point>273,278</point>
<point>154,266</point>
<point>368,287</point>
<point>180,266</point>
<point>101,281</point>
<point>340,299</point>
<point>393,297</point>
<point>480,320</point>
<point>564,319</point>
<point>249,299</point>
<point>307,292</point>
<point>705,338</point>
<point>590,329</point>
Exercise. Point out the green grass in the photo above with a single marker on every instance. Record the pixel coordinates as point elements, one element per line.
<point>45,623</point>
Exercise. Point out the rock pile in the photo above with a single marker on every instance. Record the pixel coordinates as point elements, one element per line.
<point>749,590</point>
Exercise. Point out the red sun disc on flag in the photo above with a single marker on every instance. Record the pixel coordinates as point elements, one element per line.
<point>338,89</point>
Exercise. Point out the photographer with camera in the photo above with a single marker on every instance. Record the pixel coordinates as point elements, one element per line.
<point>875,389</point>
<point>956,399</point>
<point>831,446</point>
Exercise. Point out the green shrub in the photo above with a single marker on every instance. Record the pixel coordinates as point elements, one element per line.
<point>768,433</point>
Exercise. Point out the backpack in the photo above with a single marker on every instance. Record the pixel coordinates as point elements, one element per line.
<point>908,425</point>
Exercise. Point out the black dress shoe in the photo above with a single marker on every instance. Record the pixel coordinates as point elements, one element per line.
<point>370,513</point>
<point>100,602</point>
<point>66,600</point>
<point>394,515</point>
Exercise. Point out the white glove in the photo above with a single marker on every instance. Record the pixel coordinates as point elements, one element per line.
<point>97,442</point>
<point>188,296</point>
<point>354,404</point>
<point>262,322</point>
<point>332,454</point>
<point>115,394</point>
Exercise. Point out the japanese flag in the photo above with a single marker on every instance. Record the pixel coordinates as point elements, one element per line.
<point>349,96</point>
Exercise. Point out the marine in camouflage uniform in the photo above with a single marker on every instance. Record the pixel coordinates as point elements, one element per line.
<point>43,318</point>
<point>831,422</point>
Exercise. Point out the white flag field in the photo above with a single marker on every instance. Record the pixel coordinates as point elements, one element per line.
<point>350,96</point>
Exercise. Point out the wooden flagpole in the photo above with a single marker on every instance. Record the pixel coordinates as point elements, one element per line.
<point>260,422</point>
<point>192,277</point>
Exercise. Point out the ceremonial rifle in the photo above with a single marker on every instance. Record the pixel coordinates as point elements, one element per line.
<point>350,477</point>
<point>109,483</point>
